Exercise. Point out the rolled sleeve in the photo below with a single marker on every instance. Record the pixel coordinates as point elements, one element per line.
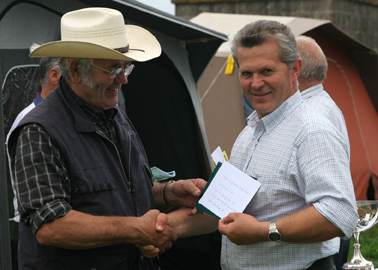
<point>327,179</point>
<point>41,181</point>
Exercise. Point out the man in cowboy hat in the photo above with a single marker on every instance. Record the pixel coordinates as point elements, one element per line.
<point>83,182</point>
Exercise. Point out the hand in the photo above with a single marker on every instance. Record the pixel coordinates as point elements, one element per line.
<point>149,251</point>
<point>242,229</point>
<point>185,192</point>
<point>155,232</point>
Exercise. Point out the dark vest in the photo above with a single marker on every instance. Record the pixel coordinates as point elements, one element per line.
<point>97,178</point>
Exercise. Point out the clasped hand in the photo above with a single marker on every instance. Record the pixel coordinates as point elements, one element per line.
<point>156,236</point>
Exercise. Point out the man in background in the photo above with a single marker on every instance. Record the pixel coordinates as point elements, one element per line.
<point>49,75</point>
<point>311,78</point>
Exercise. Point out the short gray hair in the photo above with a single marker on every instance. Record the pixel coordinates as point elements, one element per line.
<point>315,64</point>
<point>259,32</point>
<point>45,64</point>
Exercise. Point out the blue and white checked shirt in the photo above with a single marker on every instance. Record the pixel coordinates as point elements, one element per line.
<point>321,102</point>
<point>301,160</point>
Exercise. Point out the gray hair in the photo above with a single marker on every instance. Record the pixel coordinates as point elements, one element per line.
<point>315,64</point>
<point>257,33</point>
<point>45,64</point>
<point>84,68</point>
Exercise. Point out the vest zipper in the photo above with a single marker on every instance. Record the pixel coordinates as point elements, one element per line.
<point>129,184</point>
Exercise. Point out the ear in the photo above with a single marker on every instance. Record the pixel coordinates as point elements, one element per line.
<point>296,69</point>
<point>74,72</point>
<point>54,76</point>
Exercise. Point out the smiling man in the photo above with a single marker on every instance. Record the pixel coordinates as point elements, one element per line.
<point>84,188</point>
<point>306,196</point>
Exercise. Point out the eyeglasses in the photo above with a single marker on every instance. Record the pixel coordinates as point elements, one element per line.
<point>127,70</point>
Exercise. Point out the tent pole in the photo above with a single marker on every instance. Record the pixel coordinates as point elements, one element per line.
<point>5,250</point>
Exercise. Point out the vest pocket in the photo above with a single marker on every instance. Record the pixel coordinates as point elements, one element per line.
<point>93,188</point>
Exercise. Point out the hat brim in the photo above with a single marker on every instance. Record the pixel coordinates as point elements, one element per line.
<point>143,46</point>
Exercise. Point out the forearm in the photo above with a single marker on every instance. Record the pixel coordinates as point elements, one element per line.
<point>78,230</point>
<point>185,226</point>
<point>158,191</point>
<point>307,226</point>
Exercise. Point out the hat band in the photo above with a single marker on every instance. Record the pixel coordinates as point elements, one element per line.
<point>123,49</point>
<point>126,49</point>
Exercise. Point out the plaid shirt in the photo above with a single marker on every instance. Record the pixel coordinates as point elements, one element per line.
<point>300,159</point>
<point>321,102</point>
<point>40,174</point>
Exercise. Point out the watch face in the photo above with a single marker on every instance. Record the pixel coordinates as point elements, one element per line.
<point>274,236</point>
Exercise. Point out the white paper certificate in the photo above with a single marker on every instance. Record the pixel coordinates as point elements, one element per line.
<point>229,191</point>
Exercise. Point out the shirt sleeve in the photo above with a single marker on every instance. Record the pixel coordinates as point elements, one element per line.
<point>327,182</point>
<point>41,179</point>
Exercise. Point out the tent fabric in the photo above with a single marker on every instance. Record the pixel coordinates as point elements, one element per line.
<point>347,83</point>
<point>163,101</point>
<point>19,88</point>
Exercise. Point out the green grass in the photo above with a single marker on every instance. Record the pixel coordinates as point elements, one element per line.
<point>369,245</point>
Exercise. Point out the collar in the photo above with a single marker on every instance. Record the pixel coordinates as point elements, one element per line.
<point>271,120</point>
<point>38,99</point>
<point>312,91</point>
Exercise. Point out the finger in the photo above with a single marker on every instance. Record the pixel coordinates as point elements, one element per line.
<point>193,212</point>
<point>222,227</point>
<point>149,251</point>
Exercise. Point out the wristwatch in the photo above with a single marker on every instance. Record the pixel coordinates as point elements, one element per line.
<point>274,235</point>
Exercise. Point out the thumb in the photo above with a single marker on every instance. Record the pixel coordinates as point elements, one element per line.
<point>196,191</point>
<point>228,219</point>
<point>161,222</point>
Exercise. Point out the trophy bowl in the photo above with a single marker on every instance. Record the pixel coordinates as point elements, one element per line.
<point>367,218</point>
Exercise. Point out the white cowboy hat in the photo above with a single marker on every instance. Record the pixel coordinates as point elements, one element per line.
<point>100,33</point>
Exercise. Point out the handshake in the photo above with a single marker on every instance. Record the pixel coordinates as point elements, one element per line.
<point>159,237</point>
<point>157,231</point>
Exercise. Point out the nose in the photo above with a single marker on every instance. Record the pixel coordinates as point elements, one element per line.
<point>256,81</point>
<point>121,78</point>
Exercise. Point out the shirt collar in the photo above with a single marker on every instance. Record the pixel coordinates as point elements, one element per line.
<point>38,99</point>
<point>271,120</point>
<point>312,91</point>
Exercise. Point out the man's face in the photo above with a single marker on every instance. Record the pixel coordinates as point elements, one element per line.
<point>99,90</point>
<point>265,80</point>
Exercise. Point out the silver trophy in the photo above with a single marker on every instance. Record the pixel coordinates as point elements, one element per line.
<point>367,212</point>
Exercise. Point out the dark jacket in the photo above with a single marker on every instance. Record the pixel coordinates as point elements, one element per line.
<point>97,177</point>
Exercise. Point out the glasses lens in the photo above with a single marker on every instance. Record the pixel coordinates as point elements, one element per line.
<point>128,70</point>
<point>115,73</point>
